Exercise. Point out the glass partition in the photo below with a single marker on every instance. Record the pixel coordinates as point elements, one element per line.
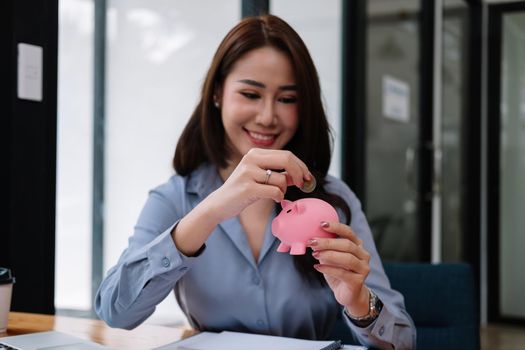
<point>393,126</point>
<point>74,155</point>
<point>512,166</point>
<point>454,96</point>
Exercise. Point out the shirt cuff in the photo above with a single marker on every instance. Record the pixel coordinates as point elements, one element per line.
<point>379,334</point>
<point>165,260</point>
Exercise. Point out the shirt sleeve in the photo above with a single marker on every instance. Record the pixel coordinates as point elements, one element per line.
<point>149,268</point>
<point>394,328</point>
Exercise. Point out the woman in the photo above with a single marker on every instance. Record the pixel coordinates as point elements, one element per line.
<point>206,232</point>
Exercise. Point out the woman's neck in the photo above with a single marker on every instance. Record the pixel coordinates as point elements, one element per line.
<point>225,172</point>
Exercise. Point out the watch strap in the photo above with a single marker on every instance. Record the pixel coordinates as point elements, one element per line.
<point>375,307</point>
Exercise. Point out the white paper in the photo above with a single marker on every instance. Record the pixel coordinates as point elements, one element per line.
<point>396,99</point>
<point>30,72</point>
<point>246,341</point>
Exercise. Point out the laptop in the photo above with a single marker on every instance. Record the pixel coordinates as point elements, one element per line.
<point>51,340</point>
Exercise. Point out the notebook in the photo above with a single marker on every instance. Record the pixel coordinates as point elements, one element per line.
<point>242,341</point>
<point>48,341</point>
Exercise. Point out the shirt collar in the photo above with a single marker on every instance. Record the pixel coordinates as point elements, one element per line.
<point>204,180</point>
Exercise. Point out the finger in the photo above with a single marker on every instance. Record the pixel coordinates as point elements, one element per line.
<point>346,261</point>
<point>342,230</point>
<point>289,178</point>
<point>341,245</point>
<point>295,168</point>
<point>274,179</point>
<point>289,181</point>
<point>349,277</point>
<point>265,191</point>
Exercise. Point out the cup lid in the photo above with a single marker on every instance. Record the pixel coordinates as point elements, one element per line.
<point>5,276</point>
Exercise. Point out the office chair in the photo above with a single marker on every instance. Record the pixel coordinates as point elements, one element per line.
<point>442,301</point>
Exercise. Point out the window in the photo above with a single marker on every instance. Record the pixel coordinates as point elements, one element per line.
<point>157,53</point>
<point>74,155</point>
<point>319,24</point>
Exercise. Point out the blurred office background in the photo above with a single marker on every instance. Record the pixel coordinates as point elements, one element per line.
<point>426,100</point>
<point>419,109</point>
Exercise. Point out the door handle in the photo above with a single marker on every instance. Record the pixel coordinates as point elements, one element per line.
<point>410,169</point>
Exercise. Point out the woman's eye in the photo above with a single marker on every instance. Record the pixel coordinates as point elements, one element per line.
<point>288,99</point>
<point>250,95</point>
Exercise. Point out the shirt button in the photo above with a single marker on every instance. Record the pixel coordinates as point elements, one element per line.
<point>381,330</point>
<point>260,322</point>
<point>165,262</point>
<point>256,280</point>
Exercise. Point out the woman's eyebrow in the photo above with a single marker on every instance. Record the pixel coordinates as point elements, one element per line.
<point>261,85</point>
<point>251,82</point>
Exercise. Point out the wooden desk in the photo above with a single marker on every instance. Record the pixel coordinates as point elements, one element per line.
<point>141,338</point>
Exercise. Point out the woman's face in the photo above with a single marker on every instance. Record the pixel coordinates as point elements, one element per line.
<point>259,102</point>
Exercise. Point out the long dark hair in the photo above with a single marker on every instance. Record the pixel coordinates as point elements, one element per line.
<point>203,138</point>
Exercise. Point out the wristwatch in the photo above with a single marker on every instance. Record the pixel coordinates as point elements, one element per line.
<point>375,306</point>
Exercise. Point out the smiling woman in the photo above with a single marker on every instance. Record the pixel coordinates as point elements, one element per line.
<point>258,133</point>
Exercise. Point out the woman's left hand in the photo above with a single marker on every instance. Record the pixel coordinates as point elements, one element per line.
<point>345,264</point>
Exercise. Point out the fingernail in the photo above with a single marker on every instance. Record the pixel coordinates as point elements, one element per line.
<point>312,242</point>
<point>315,254</point>
<point>324,224</point>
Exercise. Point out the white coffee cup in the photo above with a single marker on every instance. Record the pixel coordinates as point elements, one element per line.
<point>6,290</point>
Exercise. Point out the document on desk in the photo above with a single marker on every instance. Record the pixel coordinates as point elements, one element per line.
<point>245,341</point>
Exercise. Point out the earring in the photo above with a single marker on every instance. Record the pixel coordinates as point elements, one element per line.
<point>216,103</point>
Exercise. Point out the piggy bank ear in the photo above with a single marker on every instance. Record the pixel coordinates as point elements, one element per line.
<point>286,203</point>
<point>299,207</point>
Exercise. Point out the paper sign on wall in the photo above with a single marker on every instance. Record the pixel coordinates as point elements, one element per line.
<point>396,99</point>
<point>30,72</point>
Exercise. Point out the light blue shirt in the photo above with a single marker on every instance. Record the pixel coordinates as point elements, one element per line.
<point>224,288</point>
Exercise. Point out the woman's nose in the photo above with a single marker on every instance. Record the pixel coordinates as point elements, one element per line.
<point>266,115</point>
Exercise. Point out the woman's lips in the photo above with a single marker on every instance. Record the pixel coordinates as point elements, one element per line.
<point>261,139</point>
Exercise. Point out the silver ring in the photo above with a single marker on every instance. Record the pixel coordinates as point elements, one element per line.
<point>268,174</point>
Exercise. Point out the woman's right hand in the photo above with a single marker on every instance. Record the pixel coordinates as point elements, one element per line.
<point>246,184</point>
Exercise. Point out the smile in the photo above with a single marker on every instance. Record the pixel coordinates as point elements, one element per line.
<point>261,139</point>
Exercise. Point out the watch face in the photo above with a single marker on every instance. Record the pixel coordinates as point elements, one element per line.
<point>376,307</point>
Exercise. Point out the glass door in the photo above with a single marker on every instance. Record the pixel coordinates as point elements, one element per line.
<point>458,238</point>
<point>506,162</point>
<point>416,160</point>
<point>393,127</point>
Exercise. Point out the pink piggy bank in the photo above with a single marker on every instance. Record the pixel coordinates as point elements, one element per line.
<point>300,221</point>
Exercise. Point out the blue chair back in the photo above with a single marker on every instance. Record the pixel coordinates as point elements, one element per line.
<point>442,300</point>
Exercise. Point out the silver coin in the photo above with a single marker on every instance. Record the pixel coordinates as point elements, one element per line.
<point>309,186</point>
